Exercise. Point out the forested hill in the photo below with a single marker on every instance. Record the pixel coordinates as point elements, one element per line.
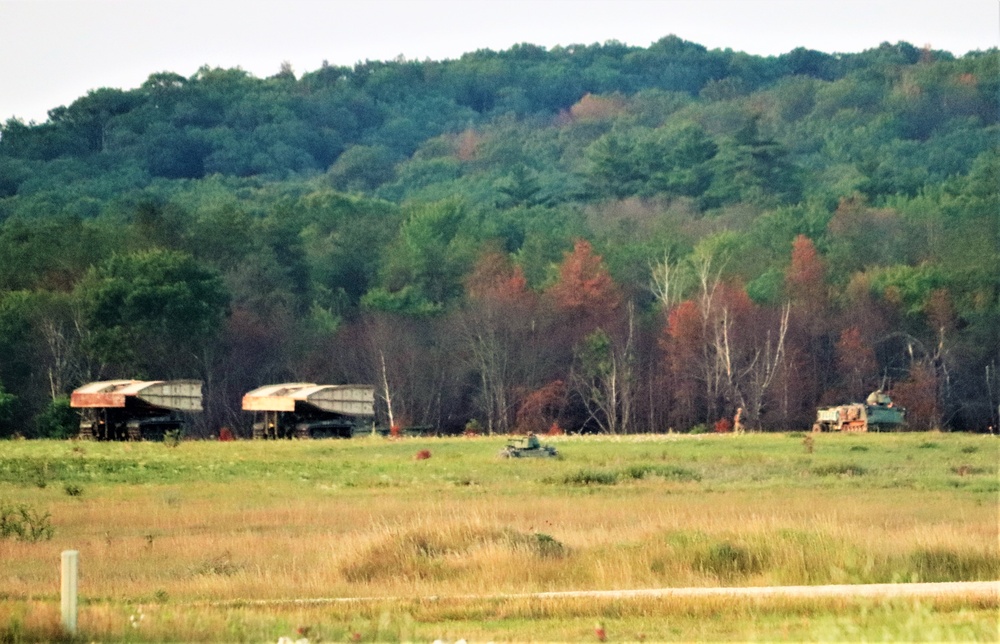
<point>600,238</point>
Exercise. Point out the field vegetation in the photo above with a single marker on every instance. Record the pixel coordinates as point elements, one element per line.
<point>252,541</point>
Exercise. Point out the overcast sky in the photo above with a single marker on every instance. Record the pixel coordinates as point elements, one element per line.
<point>54,51</point>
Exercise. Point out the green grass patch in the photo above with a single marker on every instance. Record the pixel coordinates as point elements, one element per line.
<point>591,477</point>
<point>840,469</point>
<point>669,472</point>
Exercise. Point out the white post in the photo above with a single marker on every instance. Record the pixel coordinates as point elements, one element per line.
<point>70,567</point>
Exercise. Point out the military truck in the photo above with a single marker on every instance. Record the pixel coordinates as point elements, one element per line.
<point>135,409</point>
<point>309,410</point>
<point>878,412</point>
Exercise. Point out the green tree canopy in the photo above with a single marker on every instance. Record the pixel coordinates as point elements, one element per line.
<point>153,311</point>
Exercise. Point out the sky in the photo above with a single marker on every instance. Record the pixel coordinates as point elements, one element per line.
<point>55,51</point>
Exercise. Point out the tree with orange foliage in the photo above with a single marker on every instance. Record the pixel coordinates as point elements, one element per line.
<point>684,343</point>
<point>585,293</point>
<point>496,277</point>
<point>600,331</point>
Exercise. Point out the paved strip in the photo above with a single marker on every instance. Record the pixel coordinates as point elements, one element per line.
<point>969,589</point>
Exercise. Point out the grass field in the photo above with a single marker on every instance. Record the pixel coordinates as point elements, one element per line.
<point>184,543</point>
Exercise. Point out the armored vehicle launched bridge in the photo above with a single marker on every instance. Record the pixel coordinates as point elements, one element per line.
<point>308,410</point>
<point>135,409</point>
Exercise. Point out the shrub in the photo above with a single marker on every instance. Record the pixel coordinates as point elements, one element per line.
<point>723,425</point>
<point>22,521</point>
<point>966,470</point>
<point>8,407</point>
<point>173,437</point>
<point>221,565</point>
<point>538,544</point>
<point>546,546</point>
<point>57,420</point>
<point>591,477</point>
<point>938,564</point>
<point>637,471</point>
<point>673,472</point>
<point>727,560</point>
<point>676,473</point>
<point>840,469</point>
<point>72,489</point>
<point>698,429</point>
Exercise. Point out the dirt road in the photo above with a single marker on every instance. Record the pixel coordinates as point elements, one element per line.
<point>977,589</point>
<point>968,589</point>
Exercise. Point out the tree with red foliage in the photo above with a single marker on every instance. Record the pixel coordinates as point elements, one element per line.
<point>585,290</point>
<point>498,326</point>
<point>856,363</point>
<point>809,323</point>
<point>805,280</point>
<point>684,343</point>
<point>541,408</point>
<point>597,332</point>
<point>918,394</point>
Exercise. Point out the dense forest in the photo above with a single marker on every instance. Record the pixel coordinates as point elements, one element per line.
<point>595,238</point>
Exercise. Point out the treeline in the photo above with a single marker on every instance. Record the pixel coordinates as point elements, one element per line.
<point>602,238</point>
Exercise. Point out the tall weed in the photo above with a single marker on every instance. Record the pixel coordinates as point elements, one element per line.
<point>24,522</point>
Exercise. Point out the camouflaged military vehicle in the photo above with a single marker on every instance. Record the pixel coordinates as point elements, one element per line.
<point>528,447</point>
<point>877,413</point>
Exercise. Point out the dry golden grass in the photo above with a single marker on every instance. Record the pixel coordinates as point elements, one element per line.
<point>212,522</point>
